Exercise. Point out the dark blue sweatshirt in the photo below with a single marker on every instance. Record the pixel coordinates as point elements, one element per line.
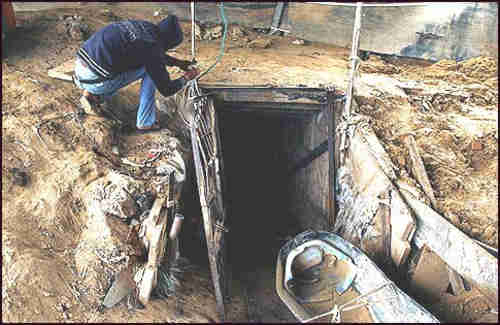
<point>132,44</point>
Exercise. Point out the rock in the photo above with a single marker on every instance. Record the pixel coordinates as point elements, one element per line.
<point>476,305</point>
<point>260,43</point>
<point>298,42</point>
<point>237,32</point>
<point>73,27</point>
<point>213,32</point>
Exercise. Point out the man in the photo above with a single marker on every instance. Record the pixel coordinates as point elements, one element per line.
<point>126,51</point>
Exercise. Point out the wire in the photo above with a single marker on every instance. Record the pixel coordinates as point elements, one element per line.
<point>222,45</point>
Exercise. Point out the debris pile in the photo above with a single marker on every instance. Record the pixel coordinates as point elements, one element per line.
<point>126,230</point>
<point>208,31</point>
<point>73,27</point>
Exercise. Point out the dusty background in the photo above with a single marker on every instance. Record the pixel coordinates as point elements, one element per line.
<point>42,221</point>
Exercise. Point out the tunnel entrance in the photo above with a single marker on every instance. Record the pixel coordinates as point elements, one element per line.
<point>256,169</point>
<point>257,197</point>
<point>259,189</point>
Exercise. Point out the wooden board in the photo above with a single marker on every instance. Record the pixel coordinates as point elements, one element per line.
<point>209,174</point>
<point>64,71</point>
<point>418,168</point>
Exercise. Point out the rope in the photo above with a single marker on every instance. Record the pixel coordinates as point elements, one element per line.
<point>222,45</point>
<point>337,310</point>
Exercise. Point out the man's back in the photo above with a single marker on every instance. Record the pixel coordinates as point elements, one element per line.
<point>122,46</point>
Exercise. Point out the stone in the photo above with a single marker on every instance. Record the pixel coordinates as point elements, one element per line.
<point>237,32</point>
<point>213,32</point>
<point>260,43</point>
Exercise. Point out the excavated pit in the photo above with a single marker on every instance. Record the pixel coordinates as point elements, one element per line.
<point>42,222</point>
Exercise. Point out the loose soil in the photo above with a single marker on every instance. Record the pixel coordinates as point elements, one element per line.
<point>455,129</point>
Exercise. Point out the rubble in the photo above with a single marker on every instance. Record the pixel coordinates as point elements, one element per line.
<point>73,27</point>
<point>208,32</point>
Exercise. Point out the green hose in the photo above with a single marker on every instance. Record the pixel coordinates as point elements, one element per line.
<point>222,45</point>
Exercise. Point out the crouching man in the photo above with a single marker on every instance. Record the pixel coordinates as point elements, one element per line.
<point>126,51</point>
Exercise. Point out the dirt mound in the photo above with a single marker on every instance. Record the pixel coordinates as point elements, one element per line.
<point>375,64</point>
<point>469,71</point>
<point>480,68</point>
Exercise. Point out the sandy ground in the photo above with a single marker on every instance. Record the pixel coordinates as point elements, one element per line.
<point>42,221</point>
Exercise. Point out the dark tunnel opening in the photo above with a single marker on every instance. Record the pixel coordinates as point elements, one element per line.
<point>257,196</point>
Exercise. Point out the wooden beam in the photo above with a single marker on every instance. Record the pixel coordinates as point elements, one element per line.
<point>330,96</point>
<point>418,168</point>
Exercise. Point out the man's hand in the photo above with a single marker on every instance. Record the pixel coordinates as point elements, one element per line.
<point>191,74</point>
<point>184,65</point>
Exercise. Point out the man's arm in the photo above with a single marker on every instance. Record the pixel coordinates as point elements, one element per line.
<point>173,62</point>
<point>155,67</point>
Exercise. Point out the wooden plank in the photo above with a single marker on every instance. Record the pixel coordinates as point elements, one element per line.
<point>456,249</point>
<point>63,71</point>
<point>209,179</point>
<point>403,228</point>
<point>330,95</point>
<point>385,215</point>
<point>156,237</point>
<point>418,168</point>
<point>280,95</point>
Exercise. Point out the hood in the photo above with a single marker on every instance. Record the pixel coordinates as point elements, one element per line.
<point>170,32</point>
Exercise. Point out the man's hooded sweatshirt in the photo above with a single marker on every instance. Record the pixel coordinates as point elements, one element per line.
<point>132,44</point>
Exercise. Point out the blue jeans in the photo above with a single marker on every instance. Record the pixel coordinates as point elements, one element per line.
<point>146,115</point>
